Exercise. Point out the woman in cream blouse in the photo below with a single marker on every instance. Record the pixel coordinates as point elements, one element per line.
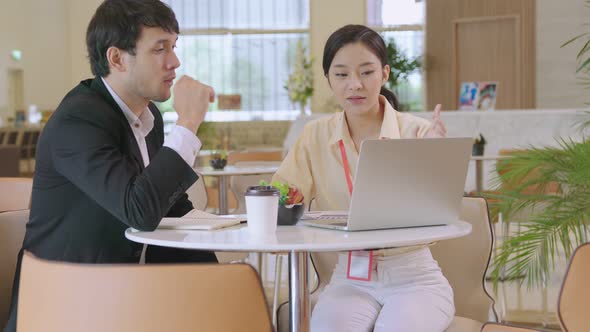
<point>406,290</point>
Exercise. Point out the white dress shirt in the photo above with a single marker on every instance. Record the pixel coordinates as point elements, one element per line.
<point>180,139</point>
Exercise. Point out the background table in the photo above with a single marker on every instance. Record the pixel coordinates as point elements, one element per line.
<point>223,174</point>
<point>479,169</point>
<point>298,241</point>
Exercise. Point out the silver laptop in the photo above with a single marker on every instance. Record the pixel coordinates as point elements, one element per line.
<point>404,183</point>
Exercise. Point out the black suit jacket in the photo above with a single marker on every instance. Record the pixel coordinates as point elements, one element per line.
<point>90,183</point>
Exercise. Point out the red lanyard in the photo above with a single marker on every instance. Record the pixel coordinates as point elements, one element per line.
<point>346,167</point>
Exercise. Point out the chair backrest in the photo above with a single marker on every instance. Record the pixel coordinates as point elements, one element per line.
<point>2,135</point>
<point>574,297</point>
<point>19,196</point>
<point>238,156</point>
<point>58,296</point>
<point>12,136</point>
<point>464,261</point>
<point>493,327</point>
<point>239,184</point>
<point>324,264</point>
<point>33,143</point>
<point>197,194</point>
<point>25,141</point>
<point>12,232</point>
<point>503,166</point>
<point>9,160</point>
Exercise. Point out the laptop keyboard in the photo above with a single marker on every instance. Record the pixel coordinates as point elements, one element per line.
<point>333,222</point>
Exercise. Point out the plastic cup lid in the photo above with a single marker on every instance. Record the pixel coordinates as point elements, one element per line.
<point>262,191</point>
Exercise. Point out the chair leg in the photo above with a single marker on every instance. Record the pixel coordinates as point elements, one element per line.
<point>259,265</point>
<point>275,301</point>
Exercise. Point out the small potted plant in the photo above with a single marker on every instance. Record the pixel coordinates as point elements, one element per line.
<point>218,160</point>
<point>478,146</point>
<point>299,84</point>
<point>291,205</point>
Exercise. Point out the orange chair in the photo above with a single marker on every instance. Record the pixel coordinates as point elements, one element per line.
<point>574,297</point>
<point>254,155</point>
<point>463,260</point>
<point>503,166</point>
<point>16,193</point>
<point>12,232</point>
<point>58,296</point>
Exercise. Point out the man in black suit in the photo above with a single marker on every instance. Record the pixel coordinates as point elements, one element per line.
<point>103,164</point>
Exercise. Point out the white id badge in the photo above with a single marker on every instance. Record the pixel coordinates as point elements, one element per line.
<point>359,265</point>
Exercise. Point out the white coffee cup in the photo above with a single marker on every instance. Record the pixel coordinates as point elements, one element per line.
<point>262,206</point>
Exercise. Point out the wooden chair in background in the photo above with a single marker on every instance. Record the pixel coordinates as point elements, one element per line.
<point>12,232</point>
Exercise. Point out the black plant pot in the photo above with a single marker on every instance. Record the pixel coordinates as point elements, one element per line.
<point>218,163</point>
<point>290,216</point>
<point>477,149</point>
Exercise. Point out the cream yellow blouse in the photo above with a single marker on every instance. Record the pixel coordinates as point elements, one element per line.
<point>314,163</point>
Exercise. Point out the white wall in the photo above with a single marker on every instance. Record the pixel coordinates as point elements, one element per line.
<point>10,37</point>
<point>51,35</point>
<point>557,22</point>
<point>79,15</point>
<point>327,16</point>
<point>38,29</point>
<point>45,52</point>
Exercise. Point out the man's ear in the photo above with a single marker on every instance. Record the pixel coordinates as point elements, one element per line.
<point>115,58</point>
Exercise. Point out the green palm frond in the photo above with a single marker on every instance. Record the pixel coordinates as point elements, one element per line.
<point>557,220</point>
<point>584,124</point>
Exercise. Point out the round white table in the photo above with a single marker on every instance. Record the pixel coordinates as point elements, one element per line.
<point>223,174</point>
<point>298,241</point>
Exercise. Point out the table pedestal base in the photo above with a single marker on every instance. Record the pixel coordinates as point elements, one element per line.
<point>299,299</point>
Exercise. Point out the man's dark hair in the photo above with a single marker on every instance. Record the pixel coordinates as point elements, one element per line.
<point>118,23</point>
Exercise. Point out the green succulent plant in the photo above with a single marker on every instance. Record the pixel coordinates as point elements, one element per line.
<point>283,189</point>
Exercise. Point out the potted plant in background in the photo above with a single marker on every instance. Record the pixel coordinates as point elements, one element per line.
<point>401,67</point>
<point>300,82</point>
<point>479,146</point>
<point>558,221</point>
<point>291,205</point>
<point>218,159</point>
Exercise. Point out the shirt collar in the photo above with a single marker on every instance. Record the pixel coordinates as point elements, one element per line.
<point>389,127</point>
<point>142,124</point>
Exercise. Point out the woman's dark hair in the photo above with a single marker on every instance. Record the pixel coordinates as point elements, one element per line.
<point>353,34</point>
<point>119,23</point>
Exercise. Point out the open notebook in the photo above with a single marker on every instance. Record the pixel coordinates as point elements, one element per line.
<point>200,220</point>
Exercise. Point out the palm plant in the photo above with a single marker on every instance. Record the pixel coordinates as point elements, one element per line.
<point>558,221</point>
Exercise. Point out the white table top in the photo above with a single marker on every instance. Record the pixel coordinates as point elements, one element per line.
<point>298,238</point>
<point>237,170</point>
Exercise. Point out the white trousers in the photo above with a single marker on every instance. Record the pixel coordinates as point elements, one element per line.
<point>407,293</point>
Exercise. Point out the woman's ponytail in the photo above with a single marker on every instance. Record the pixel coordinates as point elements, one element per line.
<point>391,98</point>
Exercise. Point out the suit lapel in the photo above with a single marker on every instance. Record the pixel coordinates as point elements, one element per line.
<point>155,139</point>
<point>98,86</point>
